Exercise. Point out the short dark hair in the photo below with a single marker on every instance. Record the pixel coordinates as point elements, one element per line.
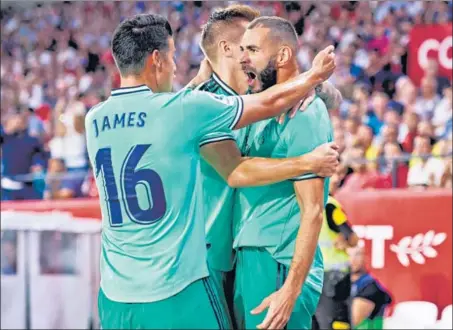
<point>136,38</point>
<point>220,19</point>
<point>280,29</point>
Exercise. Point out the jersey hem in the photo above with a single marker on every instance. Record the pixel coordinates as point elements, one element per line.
<point>216,139</point>
<point>306,177</point>
<point>177,289</point>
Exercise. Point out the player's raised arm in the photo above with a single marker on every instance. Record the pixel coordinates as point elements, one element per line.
<point>279,98</point>
<point>225,157</point>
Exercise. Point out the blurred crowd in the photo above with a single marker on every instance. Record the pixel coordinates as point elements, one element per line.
<point>56,63</point>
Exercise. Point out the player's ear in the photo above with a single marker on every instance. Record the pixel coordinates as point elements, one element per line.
<point>155,59</point>
<point>284,56</point>
<point>225,48</point>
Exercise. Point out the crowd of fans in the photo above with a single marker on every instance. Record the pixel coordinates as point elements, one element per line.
<point>56,63</point>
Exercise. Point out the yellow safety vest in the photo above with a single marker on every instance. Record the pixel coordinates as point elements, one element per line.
<point>334,259</point>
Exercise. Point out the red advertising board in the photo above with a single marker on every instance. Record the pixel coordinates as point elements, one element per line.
<point>430,42</point>
<point>408,241</point>
<point>407,237</point>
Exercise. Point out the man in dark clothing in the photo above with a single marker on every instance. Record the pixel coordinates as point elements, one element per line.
<point>21,154</point>
<point>369,297</point>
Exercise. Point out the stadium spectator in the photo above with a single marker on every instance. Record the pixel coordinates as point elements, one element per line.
<point>405,92</point>
<point>364,138</point>
<point>369,297</point>
<point>389,134</point>
<point>432,71</point>
<point>22,154</point>
<point>60,186</point>
<point>426,171</point>
<point>446,180</point>
<point>425,129</point>
<point>56,63</point>
<point>375,115</point>
<point>362,177</point>
<point>408,131</point>
<point>391,165</point>
<point>9,252</point>
<point>428,99</point>
<point>442,119</point>
<point>69,147</point>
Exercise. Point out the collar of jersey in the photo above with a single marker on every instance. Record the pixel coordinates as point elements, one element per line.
<point>222,84</point>
<point>130,90</point>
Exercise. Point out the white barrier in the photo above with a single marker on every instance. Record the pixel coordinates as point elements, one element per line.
<point>49,271</point>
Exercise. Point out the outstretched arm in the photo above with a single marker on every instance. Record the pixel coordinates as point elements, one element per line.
<point>238,171</point>
<point>279,98</point>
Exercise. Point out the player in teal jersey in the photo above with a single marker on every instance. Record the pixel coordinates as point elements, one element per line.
<point>279,265</point>
<point>143,144</point>
<point>220,41</point>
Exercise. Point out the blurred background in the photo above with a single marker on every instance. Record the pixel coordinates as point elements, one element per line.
<point>394,127</point>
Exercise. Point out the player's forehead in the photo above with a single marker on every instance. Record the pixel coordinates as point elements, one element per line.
<point>255,37</point>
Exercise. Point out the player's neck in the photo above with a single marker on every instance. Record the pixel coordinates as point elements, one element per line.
<point>288,72</point>
<point>133,81</point>
<point>230,77</point>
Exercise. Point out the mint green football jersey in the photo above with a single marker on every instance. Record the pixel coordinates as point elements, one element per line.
<point>269,216</point>
<point>144,150</point>
<point>216,196</point>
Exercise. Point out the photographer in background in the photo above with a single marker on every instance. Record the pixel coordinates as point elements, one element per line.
<point>369,298</point>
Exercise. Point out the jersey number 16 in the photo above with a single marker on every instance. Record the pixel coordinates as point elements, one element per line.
<point>129,179</point>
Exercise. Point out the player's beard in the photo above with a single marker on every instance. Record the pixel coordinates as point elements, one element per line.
<point>268,77</point>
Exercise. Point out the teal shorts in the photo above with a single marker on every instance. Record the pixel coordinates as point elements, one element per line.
<point>218,280</point>
<point>196,307</point>
<point>258,275</point>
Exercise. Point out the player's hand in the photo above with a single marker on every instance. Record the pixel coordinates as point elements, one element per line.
<point>303,104</point>
<point>279,307</point>
<point>329,94</point>
<point>324,63</point>
<point>307,101</point>
<point>324,159</point>
<point>205,71</point>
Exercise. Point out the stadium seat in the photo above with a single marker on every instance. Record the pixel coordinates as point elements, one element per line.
<point>447,314</point>
<point>445,321</point>
<point>440,325</point>
<point>394,323</point>
<point>412,315</point>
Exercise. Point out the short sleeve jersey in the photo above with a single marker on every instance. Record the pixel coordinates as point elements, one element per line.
<point>269,216</point>
<point>144,150</point>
